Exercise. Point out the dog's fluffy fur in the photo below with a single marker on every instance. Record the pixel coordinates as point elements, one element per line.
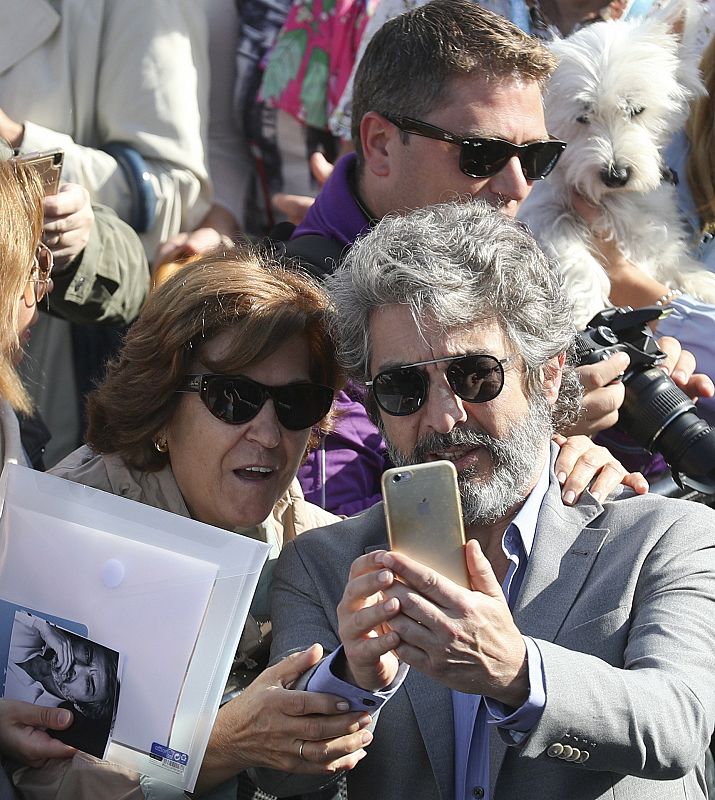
<point>619,93</point>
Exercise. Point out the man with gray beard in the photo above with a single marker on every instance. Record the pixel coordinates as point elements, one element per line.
<point>511,457</point>
<point>580,663</point>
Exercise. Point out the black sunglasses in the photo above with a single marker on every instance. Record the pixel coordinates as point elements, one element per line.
<point>483,157</point>
<point>403,390</point>
<point>236,399</point>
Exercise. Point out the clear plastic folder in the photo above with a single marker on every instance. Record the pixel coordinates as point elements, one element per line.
<point>169,594</point>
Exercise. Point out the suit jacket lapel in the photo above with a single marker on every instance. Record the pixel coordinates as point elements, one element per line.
<point>562,557</point>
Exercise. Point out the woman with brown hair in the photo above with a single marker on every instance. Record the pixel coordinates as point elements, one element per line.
<point>207,412</point>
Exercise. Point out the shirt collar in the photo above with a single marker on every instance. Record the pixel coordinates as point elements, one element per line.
<point>527,516</point>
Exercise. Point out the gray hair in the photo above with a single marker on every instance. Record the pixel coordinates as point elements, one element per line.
<point>462,263</point>
<point>409,63</point>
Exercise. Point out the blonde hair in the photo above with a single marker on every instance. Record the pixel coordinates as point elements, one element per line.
<point>700,130</point>
<point>20,231</point>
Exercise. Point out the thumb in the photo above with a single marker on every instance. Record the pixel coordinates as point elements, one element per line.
<point>288,671</point>
<point>481,574</point>
<point>46,717</point>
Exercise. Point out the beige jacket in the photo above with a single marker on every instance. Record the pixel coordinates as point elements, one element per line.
<point>291,516</point>
<point>85,778</point>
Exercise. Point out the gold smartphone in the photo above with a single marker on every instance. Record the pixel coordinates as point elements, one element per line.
<point>423,513</point>
<point>48,164</point>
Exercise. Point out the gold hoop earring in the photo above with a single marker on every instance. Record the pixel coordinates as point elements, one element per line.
<point>161,445</point>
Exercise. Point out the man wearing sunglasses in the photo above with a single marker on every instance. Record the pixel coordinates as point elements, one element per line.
<point>447,105</point>
<point>580,664</point>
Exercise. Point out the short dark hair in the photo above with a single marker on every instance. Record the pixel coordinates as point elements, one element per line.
<point>408,64</point>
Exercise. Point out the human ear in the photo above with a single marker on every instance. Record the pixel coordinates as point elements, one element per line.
<point>376,136</point>
<point>550,377</point>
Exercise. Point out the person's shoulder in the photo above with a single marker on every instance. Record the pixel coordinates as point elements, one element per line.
<point>307,515</point>
<point>656,514</point>
<point>85,466</point>
<point>346,536</point>
<point>654,502</point>
<point>105,471</point>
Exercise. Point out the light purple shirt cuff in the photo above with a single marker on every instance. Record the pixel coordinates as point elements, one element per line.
<point>323,680</point>
<point>518,723</point>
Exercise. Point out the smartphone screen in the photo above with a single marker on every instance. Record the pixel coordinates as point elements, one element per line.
<point>423,514</point>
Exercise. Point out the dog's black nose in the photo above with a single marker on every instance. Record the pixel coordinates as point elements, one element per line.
<point>615,176</point>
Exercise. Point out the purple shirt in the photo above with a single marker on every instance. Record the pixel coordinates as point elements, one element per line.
<point>473,713</point>
<point>343,474</point>
<point>335,213</point>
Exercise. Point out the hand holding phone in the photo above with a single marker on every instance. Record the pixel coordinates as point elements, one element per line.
<point>423,514</point>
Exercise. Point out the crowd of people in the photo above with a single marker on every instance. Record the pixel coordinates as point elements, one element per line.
<point>285,245</point>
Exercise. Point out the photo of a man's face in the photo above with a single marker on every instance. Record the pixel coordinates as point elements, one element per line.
<point>51,666</point>
<point>90,677</point>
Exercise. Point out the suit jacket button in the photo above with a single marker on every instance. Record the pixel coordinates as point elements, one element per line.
<point>575,754</point>
<point>583,758</point>
<point>566,752</point>
<point>555,750</point>
<point>478,792</point>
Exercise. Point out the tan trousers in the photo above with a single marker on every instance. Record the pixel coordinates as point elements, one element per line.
<point>80,778</point>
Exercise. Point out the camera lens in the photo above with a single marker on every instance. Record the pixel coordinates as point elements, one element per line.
<point>655,413</point>
<point>660,417</point>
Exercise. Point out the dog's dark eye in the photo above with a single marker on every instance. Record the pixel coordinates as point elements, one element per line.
<point>584,119</point>
<point>634,111</point>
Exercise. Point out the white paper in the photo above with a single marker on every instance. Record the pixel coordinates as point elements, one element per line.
<point>161,599</point>
<point>170,594</point>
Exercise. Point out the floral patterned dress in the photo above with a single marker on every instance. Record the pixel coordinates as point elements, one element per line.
<point>311,61</point>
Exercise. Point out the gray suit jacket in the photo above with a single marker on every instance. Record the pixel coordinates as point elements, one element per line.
<point>620,599</point>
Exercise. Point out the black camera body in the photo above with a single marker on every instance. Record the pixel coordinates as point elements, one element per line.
<point>655,412</point>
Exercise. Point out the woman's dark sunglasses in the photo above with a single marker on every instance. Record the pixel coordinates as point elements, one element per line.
<point>483,157</point>
<point>235,399</point>
<point>474,378</point>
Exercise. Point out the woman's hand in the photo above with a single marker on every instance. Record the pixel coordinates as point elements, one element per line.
<point>580,461</point>
<point>272,725</point>
<point>630,286</point>
<point>68,222</point>
<point>22,734</point>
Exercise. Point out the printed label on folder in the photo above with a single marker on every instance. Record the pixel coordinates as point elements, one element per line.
<point>171,759</point>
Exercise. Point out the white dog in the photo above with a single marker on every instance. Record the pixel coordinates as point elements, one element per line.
<point>620,91</point>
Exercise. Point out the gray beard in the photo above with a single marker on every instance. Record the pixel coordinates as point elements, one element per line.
<point>515,463</point>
